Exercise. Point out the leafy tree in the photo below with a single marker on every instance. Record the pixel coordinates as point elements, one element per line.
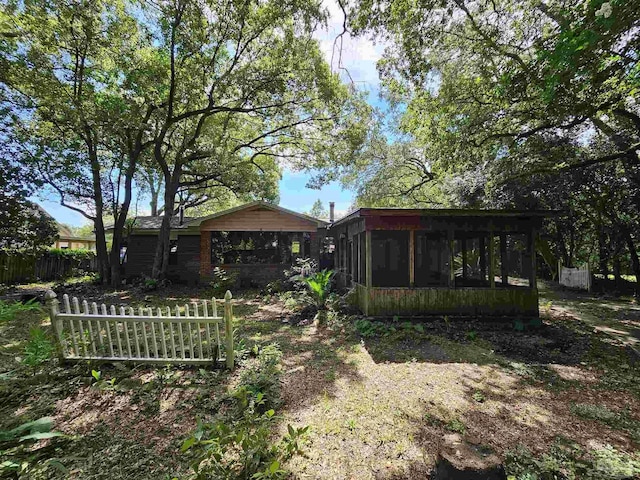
<point>500,94</point>
<point>318,210</point>
<point>483,79</point>
<point>263,94</point>
<point>23,224</point>
<point>202,96</point>
<point>76,82</point>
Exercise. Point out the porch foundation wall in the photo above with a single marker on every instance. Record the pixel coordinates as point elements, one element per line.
<point>379,301</point>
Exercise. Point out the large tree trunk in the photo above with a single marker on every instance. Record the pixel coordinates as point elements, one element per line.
<point>161,259</point>
<point>101,242</point>
<point>101,248</point>
<point>635,261</point>
<point>154,193</point>
<point>121,218</point>
<point>603,253</point>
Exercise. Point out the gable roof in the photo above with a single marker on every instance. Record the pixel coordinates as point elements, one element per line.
<point>192,223</point>
<point>248,206</point>
<point>154,223</point>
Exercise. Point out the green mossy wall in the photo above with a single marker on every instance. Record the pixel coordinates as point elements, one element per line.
<point>377,301</point>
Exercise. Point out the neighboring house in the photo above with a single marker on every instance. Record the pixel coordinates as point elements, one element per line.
<point>414,261</point>
<point>256,241</point>
<point>67,239</point>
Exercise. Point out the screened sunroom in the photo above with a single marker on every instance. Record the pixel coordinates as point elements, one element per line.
<point>424,262</point>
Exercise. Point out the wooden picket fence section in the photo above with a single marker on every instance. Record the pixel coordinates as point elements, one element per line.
<point>197,335</point>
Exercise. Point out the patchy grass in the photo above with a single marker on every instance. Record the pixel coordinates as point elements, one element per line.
<point>378,396</point>
<point>619,420</point>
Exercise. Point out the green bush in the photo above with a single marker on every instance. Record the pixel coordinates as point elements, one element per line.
<point>77,254</point>
<point>38,349</point>
<point>319,285</point>
<point>569,461</point>
<point>150,284</point>
<point>238,444</point>
<point>299,271</point>
<point>222,281</point>
<point>8,310</point>
<point>17,450</point>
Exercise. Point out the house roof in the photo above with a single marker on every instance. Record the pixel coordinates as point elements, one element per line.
<point>442,212</point>
<point>65,233</point>
<point>258,203</point>
<point>154,223</point>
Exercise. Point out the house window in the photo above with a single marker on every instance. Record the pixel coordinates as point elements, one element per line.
<point>173,252</point>
<point>431,259</point>
<point>390,258</point>
<point>256,247</point>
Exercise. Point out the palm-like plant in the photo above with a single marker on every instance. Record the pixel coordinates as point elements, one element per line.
<point>319,284</point>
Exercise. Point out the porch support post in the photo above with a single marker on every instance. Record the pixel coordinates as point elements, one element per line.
<point>205,254</point>
<point>483,259</point>
<point>368,260</point>
<point>452,269</point>
<point>412,258</point>
<point>532,250</point>
<point>492,261</point>
<point>463,246</point>
<point>503,260</point>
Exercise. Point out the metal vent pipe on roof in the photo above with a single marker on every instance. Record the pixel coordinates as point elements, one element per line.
<point>332,209</point>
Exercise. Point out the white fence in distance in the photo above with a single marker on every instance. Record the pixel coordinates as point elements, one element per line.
<point>195,335</point>
<point>575,277</point>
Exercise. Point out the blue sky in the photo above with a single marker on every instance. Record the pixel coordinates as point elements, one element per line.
<point>293,195</point>
<point>359,56</point>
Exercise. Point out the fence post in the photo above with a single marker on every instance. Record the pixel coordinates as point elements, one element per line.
<point>56,323</point>
<point>228,328</point>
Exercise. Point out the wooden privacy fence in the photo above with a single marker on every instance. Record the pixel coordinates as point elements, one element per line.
<point>16,267</point>
<point>197,335</point>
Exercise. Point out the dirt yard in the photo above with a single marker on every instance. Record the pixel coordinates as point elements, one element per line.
<point>379,396</point>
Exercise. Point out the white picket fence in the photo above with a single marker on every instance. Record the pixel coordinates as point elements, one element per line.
<point>575,277</point>
<point>193,335</point>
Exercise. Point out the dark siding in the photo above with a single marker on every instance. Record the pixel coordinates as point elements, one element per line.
<point>142,249</point>
<point>188,268</point>
<point>140,253</point>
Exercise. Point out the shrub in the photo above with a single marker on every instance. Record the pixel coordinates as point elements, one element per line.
<point>76,254</point>
<point>319,285</point>
<point>222,281</point>
<point>17,447</point>
<point>8,310</point>
<point>567,460</point>
<point>238,444</point>
<point>300,270</point>
<point>38,350</point>
<point>150,284</point>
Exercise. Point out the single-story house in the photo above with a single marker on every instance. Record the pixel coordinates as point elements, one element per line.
<point>439,261</point>
<point>256,242</point>
<point>66,239</point>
